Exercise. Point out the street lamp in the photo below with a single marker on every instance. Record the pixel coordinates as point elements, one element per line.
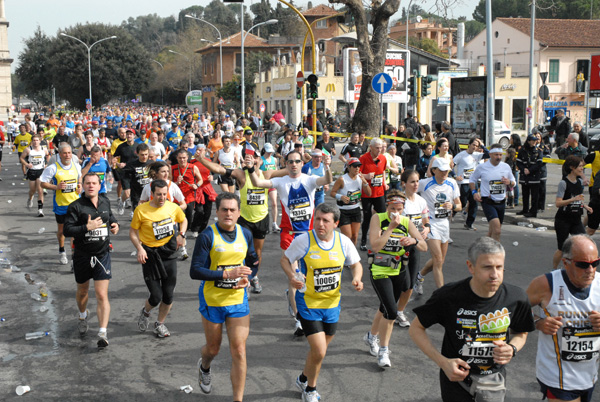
<point>162,89</point>
<point>189,60</point>
<point>89,49</point>
<point>269,22</point>
<point>220,43</point>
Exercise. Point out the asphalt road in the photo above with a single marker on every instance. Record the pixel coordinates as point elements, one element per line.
<point>138,366</point>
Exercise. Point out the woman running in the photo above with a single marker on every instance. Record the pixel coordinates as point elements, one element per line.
<point>227,158</point>
<point>35,158</point>
<point>442,146</point>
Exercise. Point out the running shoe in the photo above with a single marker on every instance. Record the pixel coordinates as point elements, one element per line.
<point>372,341</point>
<point>40,213</point>
<point>298,331</point>
<point>467,227</point>
<point>82,325</point>
<point>275,228</point>
<point>127,203</point>
<point>143,321</point>
<point>131,215</point>
<point>450,241</point>
<point>383,359</point>
<point>402,320</point>
<point>289,303</point>
<point>312,396</point>
<point>418,288</point>
<point>184,254</point>
<point>102,340</point>
<point>204,379</point>
<point>363,246</point>
<point>301,385</point>
<point>120,208</point>
<point>30,203</point>
<point>62,258</point>
<point>161,330</point>
<point>256,287</point>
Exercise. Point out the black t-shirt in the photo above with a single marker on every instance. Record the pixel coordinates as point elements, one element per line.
<point>328,146</point>
<point>364,148</point>
<point>126,152</point>
<point>138,174</point>
<point>471,322</point>
<point>352,151</point>
<point>111,133</point>
<point>58,138</point>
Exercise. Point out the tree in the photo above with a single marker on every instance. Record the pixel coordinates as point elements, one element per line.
<point>34,68</point>
<point>152,31</point>
<point>503,8</point>
<point>472,29</point>
<point>119,66</point>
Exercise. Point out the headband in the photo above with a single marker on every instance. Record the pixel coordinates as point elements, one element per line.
<point>395,200</point>
<point>494,150</point>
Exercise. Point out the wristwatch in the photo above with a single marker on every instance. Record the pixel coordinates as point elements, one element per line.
<point>182,235</point>
<point>514,349</point>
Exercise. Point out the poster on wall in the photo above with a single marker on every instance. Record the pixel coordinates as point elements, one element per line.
<point>444,81</point>
<point>468,108</point>
<point>595,77</point>
<point>397,64</point>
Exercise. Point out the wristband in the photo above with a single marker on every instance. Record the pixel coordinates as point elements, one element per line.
<point>514,349</point>
<point>251,170</point>
<point>338,197</point>
<point>473,192</point>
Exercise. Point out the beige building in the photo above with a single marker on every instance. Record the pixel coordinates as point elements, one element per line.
<point>425,29</point>
<point>5,62</point>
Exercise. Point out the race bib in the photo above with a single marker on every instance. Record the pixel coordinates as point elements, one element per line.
<point>300,212</point>
<point>579,344</point>
<point>256,196</point>
<point>417,220</point>
<point>377,180</point>
<point>163,229</point>
<point>326,279</point>
<point>23,143</point>
<point>440,211</point>
<point>394,177</point>
<point>393,244</point>
<point>98,234</point>
<point>497,187</point>
<point>142,176</point>
<point>467,173</point>
<point>575,207</point>
<point>226,283</point>
<point>176,140</point>
<point>36,160</point>
<point>354,196</point>
<point>479,353</point>
<point>71,185</point>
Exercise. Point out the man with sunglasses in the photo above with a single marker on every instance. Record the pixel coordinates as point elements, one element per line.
<point>568,300</point>
<point>297,195</point>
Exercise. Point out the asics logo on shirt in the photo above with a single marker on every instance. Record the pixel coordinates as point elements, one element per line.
<point>462,311</point>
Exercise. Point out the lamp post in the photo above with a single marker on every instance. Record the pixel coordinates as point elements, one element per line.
<point>89,49</point>
<point>162,89</point>
<point>269,22</point>
<point>189,60</point>
<point>220,43</point>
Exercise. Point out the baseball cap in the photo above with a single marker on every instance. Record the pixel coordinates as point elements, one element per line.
<point>248,132</point>
<point>269,148</point>
<point>441,164</point>
<point>239,128</point>
<point>354,161</point>
<point>531,137</point>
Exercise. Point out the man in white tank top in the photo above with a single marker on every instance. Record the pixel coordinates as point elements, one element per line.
<point>569,323</point>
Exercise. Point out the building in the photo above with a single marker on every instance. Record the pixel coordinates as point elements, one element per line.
<point>5,62</point>
<point>425,29</point>
<point>562,49</point>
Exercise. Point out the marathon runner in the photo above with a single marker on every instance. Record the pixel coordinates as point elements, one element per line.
<point>89,221</point>
<point>228,159</point>
<point>124,153</point>
<point>161,171</point>
<point>153,233</point>
<point>372,169</point>
<point>464,164</point>
<point>35,159</point>
<point>136,172</point>
<point>98,165</point>
<point>268,163</point>
<point>22,141</point>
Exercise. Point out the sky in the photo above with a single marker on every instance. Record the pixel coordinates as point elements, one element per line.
<point>52,16</point>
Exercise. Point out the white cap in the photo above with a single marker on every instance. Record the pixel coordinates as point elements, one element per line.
<point>441,164</point>
<point>269,148</point>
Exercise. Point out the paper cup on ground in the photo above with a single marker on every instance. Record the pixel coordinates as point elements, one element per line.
<point>23,389</point>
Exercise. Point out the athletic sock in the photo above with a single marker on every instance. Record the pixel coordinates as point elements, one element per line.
<point>420,277</point>
<point>383,349</point>
<point>83,316</point>
<point>61,249</point>
<point>101,330</point>
<point>310,389</point>
<point>40,204</point>
<point>205,370</point>
<point>146,313</point>
<point>303,378</point>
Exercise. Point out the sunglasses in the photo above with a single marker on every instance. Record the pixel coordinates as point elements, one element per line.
<point>296,161</point>
<point>585,264</point>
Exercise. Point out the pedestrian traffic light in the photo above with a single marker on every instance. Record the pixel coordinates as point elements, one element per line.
<point>238,92</point>
<point>313,91</point>
<point>298,92</point>
<point>412,86</point>
<point>426,85</point>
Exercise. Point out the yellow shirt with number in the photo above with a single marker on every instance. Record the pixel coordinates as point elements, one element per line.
<point>156,226</point>
<point>22,141</point>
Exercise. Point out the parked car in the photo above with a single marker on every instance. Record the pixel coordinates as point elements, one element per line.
<point>501,133</point>
<point>594,136</point>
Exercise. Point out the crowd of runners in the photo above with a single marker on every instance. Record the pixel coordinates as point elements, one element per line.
<point>168,168</point>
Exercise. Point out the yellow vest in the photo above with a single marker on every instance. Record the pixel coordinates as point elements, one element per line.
<point>254,200</point>
<point>323,270</point>
<point>225,256</point>
<point>595,167</point>
<point>70,177</point>
<point>386,261</point>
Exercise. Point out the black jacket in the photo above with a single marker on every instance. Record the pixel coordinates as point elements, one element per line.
<point>94,242</point>
<point>531,159</point>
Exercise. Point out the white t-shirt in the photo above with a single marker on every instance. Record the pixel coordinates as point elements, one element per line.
<point>465,164</point>
<point>437,194</point>
<point>298,196</point>
<point>415,210</point>
<point>174,195</point>
<point>159,148</point>
<point>491,179</point>
<point>300,244</point>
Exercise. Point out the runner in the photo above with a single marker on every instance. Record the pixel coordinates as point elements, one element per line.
<point>570,204</point>
<point>393,169</point>
<point>319,305</point>
<point>443,198</point>
<point>136,172</point>
<point>22,141</point>
<point>393,235</point>
<point>160,171</point>
<point>124,154</point>
<point>569,322</point>
<point>351,150</point>
<point>228,159</point>
<point>222,258</point>
<point>89,220</point>
<point>86,148</point>
<point>98,165</point>
<point>153,233</point>
<point>206,194</point>
<point>296,193</point>
<point>485,324</point>
<point>347,190</point>
<point>495,177</point>
<point>372,169</point>
<point>270,163</point>
<point>465,163</point>
<point>315,168</point>
<point>63,177</point>
<point>174,136</point>
<point>37,158</point>
<point>103,142</point>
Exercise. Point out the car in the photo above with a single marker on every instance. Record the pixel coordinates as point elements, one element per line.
<point>501,133</point>
<point>594,136</point>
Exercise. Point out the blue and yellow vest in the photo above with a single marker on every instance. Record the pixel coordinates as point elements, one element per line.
<point>63,198</point>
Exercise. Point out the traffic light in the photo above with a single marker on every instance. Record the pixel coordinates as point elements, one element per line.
<point>313,91</point>
<point>238,92</point>
<point>298,92</point>
<point>426,85</point>
<point>412,86</point>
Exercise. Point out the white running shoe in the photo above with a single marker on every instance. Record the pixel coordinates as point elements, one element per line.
<point>30,203</point>
<point>120,208</point>
<point>204,379</point>
<point>194,235</point>
<point>161,330</point>
<point>372,342</point>
<point>418,288</point>
<point>184,254</point>
<point>301,385</point>
<point>131,215</point>
<point>102,340</point>
<point>383,359</point>
<point>402,320</point>
<point>312,396</point>
<point>275,228</point>
<point>63,258</point>
<point>40,213</point>
<point>299,331</point>
<point>143,321</point>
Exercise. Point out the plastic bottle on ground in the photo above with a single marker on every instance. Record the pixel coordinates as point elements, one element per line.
<point>42,230</point>
<point>36,335</point>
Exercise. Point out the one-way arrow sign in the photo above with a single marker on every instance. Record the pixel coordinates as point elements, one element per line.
<point>382,83</point>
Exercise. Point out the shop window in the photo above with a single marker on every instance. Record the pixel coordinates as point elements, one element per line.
<point>553,70</point>
<point>518,114</point>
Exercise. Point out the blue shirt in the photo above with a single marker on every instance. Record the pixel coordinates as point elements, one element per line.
<point>313,171</point>
<point>101,168</point>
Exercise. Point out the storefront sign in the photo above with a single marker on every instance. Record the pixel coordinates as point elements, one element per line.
<point>508,87</point>
<point>282,87</point>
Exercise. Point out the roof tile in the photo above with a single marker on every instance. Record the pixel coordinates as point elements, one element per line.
<point>320,10</point>
<point>560,33</point>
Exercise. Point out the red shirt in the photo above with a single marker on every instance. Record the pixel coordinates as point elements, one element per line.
<point>188,179</point>
<point>377,166</point>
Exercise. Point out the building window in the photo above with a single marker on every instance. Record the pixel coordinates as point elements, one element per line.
<point>498,109</point>
<point>322,24</point>
<point>553,70</point>
<point>508,41</point>
<point>518,114</point>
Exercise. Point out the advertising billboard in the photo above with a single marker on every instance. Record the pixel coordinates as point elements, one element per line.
<point>468,108</point>
<point>397,63</point>
<point>595,76</point>
<point>444,81</point>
